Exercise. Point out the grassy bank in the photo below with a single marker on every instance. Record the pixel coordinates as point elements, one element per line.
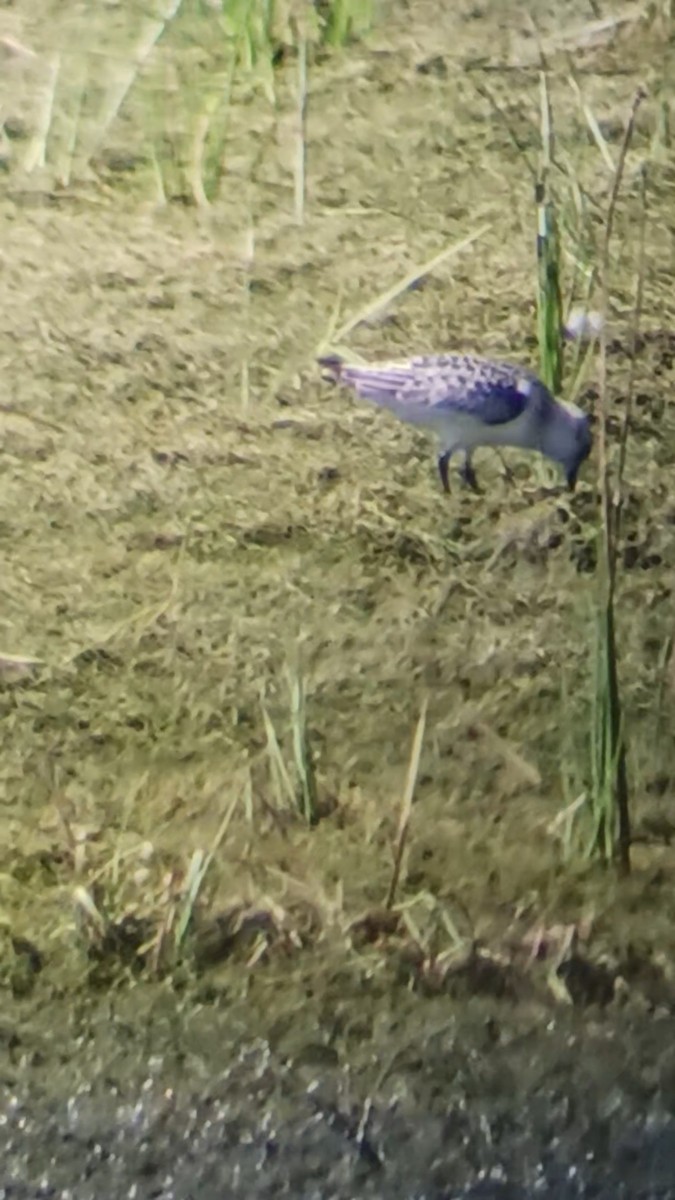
<point>228,592</point>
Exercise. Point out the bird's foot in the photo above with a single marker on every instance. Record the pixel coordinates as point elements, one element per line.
<point>468,476</point>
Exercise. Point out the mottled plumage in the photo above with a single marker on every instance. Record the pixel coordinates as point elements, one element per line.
<point>470,402</point>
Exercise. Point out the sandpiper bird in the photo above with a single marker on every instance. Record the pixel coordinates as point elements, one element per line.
<point>470,402</point>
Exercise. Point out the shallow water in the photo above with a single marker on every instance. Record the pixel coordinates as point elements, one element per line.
<point>488,1104</point>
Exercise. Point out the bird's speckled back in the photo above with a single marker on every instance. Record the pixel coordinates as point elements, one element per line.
<point>494,392</point>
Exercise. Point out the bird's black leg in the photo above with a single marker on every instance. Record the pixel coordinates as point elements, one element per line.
<point>443,461</point>
<point>468,474</point>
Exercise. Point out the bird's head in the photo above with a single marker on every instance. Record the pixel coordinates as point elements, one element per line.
<point>568,440</point>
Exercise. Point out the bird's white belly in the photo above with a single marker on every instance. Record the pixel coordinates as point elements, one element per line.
<point>461,431</point>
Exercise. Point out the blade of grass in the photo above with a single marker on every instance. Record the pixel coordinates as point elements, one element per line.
<point>195,167</point>
<point>593,125</point>
<point>36,155</point>
<point>383,301</point>
<point>205,169</point>
<point>301,132</point>
<point>406,804</point>
<point>346,18</point>
<point>520,145</point>
<point>200,864</point>
<point>549,296</point>
<point>64,171</point>
<point>120,87</point>
<point>281,779</point>
<point>634,335</point>
<point>614,785</point>
<point>158,177</point>
<point>302,751</point>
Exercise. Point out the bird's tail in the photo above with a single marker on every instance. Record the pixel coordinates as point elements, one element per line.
<point>331,365</point>
<point>380,383</point>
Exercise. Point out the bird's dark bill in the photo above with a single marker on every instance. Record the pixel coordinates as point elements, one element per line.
<point>443,471</point>
<point>572,480</point>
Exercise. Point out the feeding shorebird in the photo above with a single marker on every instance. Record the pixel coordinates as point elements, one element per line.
<point>470,402</point>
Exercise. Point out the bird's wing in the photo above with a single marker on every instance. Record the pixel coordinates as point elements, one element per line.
<point>494,400</point>
<point>422,388</point>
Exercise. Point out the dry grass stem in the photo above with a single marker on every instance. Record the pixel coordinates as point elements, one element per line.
<point>406,805</point>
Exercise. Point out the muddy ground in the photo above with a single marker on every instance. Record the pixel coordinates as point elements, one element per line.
<point>190,517</point>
